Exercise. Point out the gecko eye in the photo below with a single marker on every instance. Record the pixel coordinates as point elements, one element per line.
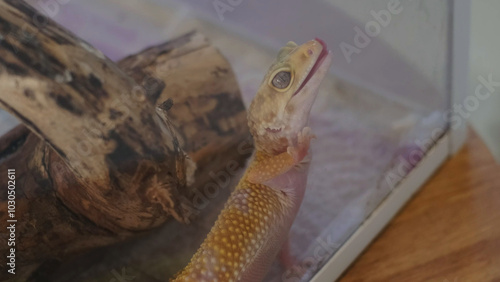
<point>282,79</point>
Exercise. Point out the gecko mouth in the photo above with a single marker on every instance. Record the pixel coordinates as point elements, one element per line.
<point>273,130</point>
<point>317,64</point>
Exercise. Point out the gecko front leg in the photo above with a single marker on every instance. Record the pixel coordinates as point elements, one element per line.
<point>275,165</point>
<point>300,152</point>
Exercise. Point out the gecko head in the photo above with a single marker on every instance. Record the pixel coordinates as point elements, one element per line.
<point>281,108</point>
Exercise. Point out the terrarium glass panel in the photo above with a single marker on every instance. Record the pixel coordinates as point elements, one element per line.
<point>379,110</point>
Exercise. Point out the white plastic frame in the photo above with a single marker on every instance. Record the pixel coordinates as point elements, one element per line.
<point>449,144</point>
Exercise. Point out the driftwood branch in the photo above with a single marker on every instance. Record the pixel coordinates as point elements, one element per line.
<point>88,111</point>
<point>98,164</point>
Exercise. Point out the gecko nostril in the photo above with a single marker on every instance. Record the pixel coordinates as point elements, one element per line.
<point>310,52</point>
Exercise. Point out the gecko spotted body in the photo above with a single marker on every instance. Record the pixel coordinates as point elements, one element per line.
<point>255,221</point>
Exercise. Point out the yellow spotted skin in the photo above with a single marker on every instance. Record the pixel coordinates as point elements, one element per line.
<point>245,229</point>
<point>265,167</point>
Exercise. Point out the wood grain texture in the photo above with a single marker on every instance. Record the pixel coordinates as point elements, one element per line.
<point>449,232</point>
<point>96,118</point>
<point>97,164</point>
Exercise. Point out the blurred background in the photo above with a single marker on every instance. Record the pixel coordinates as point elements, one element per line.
<point>485,60</point>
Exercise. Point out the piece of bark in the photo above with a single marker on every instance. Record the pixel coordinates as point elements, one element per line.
<point>134,174</point>
<point>95,117</point>
<point>208,115</point>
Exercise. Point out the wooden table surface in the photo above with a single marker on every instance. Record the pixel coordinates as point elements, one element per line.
<point>450,231</point>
